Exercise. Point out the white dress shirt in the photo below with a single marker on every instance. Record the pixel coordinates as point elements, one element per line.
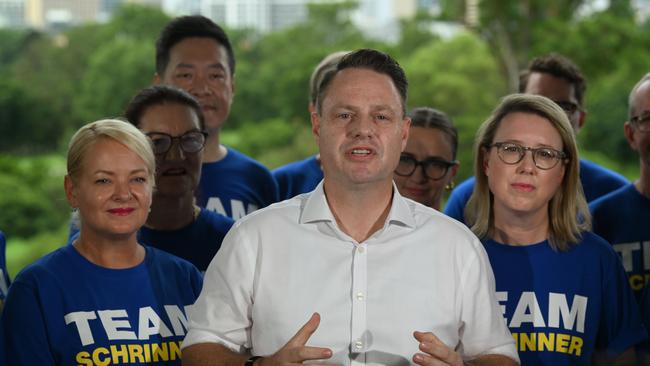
<point>421,271</point>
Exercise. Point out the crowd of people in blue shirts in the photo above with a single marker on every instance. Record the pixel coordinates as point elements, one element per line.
<point>155,194</point>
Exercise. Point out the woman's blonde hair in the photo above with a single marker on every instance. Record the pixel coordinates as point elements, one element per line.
<point>567,210</point>
<point>120,131</point>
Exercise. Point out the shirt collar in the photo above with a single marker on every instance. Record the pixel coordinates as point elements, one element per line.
<point>315,209</point>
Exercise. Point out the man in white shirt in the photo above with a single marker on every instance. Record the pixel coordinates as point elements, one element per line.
<point>385,280</point>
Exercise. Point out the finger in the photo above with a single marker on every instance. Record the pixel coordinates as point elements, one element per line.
<point>302,336</point>
<point>426,360</point>
<point>299,354</point>
<point>425,337</point>
<point>439,351</point>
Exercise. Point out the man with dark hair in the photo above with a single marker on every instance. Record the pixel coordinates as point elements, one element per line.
<point>622,216</point>
<point>559,79</point>
<point>396,282</point>
<point>304,175</point>
<point>194,54</point>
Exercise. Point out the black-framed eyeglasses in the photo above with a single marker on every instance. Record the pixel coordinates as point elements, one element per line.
<point>434,169</point>
<point>641,122</point>
<point>545,158</point>
<point>567,106</point>
<point>189,142</point>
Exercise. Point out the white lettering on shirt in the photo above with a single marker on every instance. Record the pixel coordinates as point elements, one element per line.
<point>237,207</point>
<point>625,250</point>
<point>528,311</point>
<point>80,320</point>
<point>150,324</point>
<point>116,325</point>
<point>113,320</point>
<point>557,305</point>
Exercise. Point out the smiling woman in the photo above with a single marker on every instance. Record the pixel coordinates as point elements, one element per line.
<point>428,164</point>
<point>54,307</point>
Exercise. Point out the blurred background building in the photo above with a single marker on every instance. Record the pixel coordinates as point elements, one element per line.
<point>374,17</point>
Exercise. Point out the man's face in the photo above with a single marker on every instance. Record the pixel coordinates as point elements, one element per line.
<point>560,91</point>
<point>638,134</point>
<point>199,65</point>
<point>361,130</point>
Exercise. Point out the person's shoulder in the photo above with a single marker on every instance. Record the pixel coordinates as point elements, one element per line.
<point>214,219</point>
<point>270,215</point>
<point>597,172</point>
<point>428,217</point>
<point>159,258</point>
<point>460,195</point>
<point>236,157</point>
<point>47,267</point>
<point>611,199</point>
<point>293,167</point>
<point>467,184</point>
<point>594,243</point>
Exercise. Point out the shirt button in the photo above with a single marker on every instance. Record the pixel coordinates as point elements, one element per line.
<point>360,296</point>
<point>358,345</point>
<point>361,250</point>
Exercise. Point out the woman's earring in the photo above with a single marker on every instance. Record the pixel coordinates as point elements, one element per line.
<point>450,186</point>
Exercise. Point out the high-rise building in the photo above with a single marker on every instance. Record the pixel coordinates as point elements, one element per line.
<point>55,14</point>
<point>261,15</point>
<point>12,13</point>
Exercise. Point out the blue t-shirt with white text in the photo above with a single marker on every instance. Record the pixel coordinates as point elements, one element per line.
<point>65,310</point>
<point>236,186</point>
<point>562,306</point>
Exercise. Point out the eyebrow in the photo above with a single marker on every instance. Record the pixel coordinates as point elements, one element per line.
<point>184,65</point>
<point>112,173</point>
<point>519,142</point>
<point>374,108</point>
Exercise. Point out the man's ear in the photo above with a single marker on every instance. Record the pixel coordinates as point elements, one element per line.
<point>406,130</point>
<point>581,120</point>
<point>70,191</point>
<point>315,126</point>
<point>628,130</point>
<point>157,79</point>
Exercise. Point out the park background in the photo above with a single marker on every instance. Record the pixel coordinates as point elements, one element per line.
<point>51,83</point>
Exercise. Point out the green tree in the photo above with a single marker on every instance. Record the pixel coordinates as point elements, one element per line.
<point>461,78</point>
<point>115,73</point>
<point>27,124</point>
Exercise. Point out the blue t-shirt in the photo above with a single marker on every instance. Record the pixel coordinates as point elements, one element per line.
<point>197,243</point>
<point>65,310</point>
<point>596,181</point>
<point>236,186</point>
<point>298,177</point>
<point>4,275</point>
<point>622,218</point>
<point>562,306</point>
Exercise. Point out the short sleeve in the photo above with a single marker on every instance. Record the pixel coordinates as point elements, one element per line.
<point>222,313</point>
<point>484,329</point>
<point>23,328</point>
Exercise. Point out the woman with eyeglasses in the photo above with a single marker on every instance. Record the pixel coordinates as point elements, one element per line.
<point>563,290</point>
<point>104,299</point>
<point>428,164</point>
<point>173,120</point>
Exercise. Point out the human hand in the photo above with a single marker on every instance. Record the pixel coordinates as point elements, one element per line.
<point>434,352</point>
<point>295,351</point>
